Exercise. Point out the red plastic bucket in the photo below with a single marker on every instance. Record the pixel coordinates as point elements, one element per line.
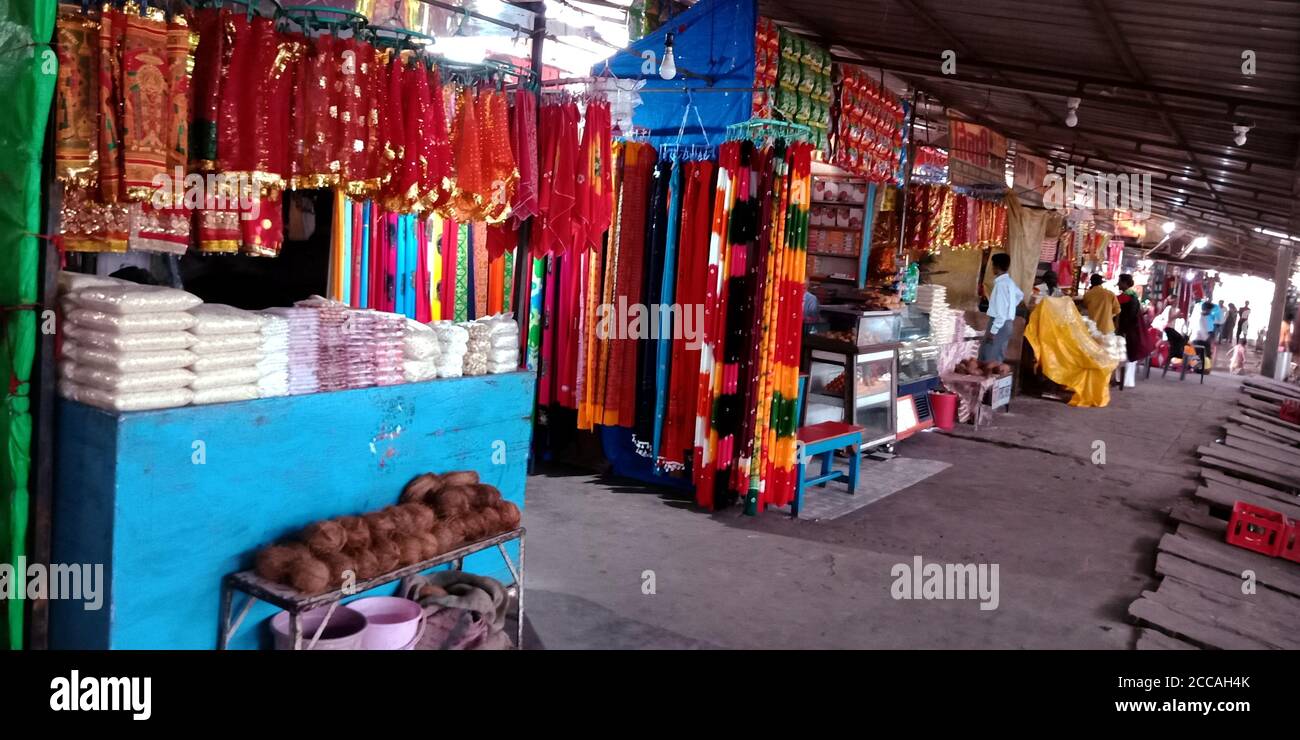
<point>943,406</point>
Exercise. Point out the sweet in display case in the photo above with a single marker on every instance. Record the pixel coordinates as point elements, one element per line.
<point>863,346</point>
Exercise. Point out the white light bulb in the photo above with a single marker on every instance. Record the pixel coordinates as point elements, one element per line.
<point>1071,119</point>
<point>1240,139</point>
<point>1168,227</point>
<point>1200,242</point>
<point>668,69</point>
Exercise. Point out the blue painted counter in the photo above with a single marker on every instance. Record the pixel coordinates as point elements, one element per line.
<point>170,501</point>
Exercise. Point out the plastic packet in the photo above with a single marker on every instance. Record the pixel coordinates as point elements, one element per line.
<point>418,371</point>
<point>130,323</point>
<point>496,368</point>
<point>142,342</point>
<point>128,362</point>
<point>145,401</point>
<point>230,376</point>
<point>225,360</point>
<point>132,298</point>
<point>213,344</point>
<point>73,281</point>
<point>119,382</point>
<point>504,355</point>
<point>226,394</point>
<point>217,318</point>
<point>419,341</point>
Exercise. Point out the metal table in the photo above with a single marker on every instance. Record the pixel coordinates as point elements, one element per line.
<point>296,602</point>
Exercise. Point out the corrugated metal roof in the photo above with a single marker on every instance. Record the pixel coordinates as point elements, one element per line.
<point>1161,83</point>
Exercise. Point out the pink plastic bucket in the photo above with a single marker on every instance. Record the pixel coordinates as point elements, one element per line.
<point>392,623</point>
<point>344,631</point>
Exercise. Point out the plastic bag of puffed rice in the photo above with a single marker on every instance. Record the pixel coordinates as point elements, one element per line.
<point>130,323</point>
<point>132,298</point>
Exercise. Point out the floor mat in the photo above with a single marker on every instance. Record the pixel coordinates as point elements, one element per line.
<point>876,480</point>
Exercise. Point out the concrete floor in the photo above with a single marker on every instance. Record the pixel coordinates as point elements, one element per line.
<point>1075,542</point>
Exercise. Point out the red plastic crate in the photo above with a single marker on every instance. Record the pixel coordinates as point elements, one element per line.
<point>1290,411</point>
<point>1290,541</point>
<point>1256,528</point>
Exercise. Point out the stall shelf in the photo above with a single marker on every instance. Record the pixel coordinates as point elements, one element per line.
<point>171,501</point>
<point>256,589</point>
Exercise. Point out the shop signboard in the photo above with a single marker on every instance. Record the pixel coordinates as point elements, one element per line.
<point>976,155</point>
<point>1030,178</point>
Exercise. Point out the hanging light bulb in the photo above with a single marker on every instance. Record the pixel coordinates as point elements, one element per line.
<point>1168,227</point>
<point>668,69</point>
<point>1200,242</point>
<point>1072,111</point>
<point>1240,130</point>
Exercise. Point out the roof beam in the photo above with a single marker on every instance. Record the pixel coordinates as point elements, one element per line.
<point>1111,88</point>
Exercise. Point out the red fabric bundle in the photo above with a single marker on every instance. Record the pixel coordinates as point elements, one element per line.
<point>524,139</point>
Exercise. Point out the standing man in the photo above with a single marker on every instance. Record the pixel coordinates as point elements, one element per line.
<point>1002,310</point>
<point>1219,314</point>
<point>1243,320</point>
<point>1229,325</point>
<point>1102,305</point>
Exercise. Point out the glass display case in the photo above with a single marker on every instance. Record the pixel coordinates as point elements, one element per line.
<point>917,360</point>
<point>859,329</point>
<point>867,401</point>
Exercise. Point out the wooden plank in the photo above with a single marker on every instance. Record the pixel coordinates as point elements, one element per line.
<point>1275,386</point>
<point>1265,395</point>
<point>1261,436</point>
<point>1224,612</point>
<point>1264,425</point>
<point>1251,470</point>
<point>1271,419</point>
<point>1196,513</point>
<point>1149,639</point>
<point>1253,459</point>
<point>1255,404</point>
<point>1154,612</point>
<point>1272,494</point>
<point>1218,476</point>
<point>1282,455</point>
<point>1226,496</point>
<point>1280,606</point>
<point>1201,547</point>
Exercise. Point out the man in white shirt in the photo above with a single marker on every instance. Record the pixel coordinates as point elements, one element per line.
<point>1002,310</point>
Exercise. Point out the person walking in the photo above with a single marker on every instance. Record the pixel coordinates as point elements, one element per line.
<point>1229,325</point>
<point>1219,314</point>
<point>1243,321</point>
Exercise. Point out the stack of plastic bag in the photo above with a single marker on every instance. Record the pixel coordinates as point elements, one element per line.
<point>453,341</point>
<point>273,367</point>
<point>332,342</point>
<point>503,343</point>
<point>420,352</point>
<point>477,348</point>
<point>229,348</point>
<point>389,348</point>
<point>304,347</point>
<point>126,346</point>
<point>359,339</point>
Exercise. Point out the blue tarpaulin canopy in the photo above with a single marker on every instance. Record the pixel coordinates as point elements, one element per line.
<point>714,40</point>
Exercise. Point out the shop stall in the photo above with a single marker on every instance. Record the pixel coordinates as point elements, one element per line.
<point>366,204</point>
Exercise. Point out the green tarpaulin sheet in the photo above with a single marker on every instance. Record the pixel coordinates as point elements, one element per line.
<point>28,70</point>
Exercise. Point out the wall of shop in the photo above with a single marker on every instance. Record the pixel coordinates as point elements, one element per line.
<point>171,501</point>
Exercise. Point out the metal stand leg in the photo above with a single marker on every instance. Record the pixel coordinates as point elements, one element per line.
<point>518,575</point>
<point>295,629</point>
<point>223,621</point>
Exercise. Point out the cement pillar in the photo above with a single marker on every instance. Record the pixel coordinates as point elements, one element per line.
<point>1281,281</point>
